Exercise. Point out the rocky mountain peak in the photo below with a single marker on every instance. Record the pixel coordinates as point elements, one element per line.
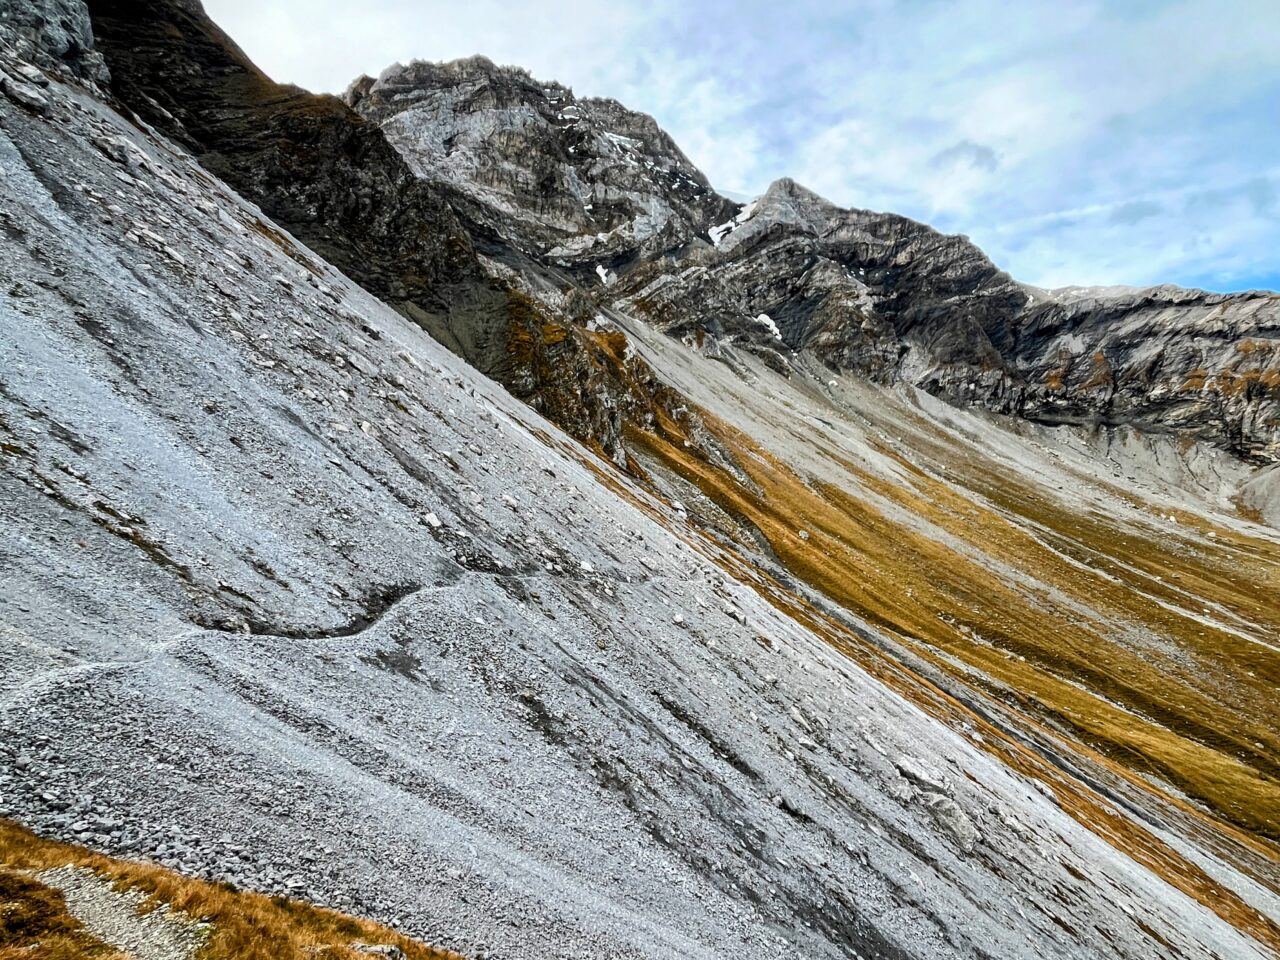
<point>582,181</point>
<point>787,189</point>
<point>425,73</point>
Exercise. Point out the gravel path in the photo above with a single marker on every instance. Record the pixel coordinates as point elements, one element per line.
<point>114,918</point>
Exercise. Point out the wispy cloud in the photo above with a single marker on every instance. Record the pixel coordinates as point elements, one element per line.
<point>1078,141</point>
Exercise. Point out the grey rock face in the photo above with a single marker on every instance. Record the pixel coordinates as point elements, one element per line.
<point>893,300</point>
<point>52,33</point>
<point>1187,362</point>
<point>579,181</point>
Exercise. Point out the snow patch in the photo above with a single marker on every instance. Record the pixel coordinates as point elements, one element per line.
<point>766,321</point>
<point>746,213</point>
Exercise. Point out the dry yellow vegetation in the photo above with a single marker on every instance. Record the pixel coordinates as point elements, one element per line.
<point>1146,658</point>
<point>34,924</point>
<point>1150,704</point>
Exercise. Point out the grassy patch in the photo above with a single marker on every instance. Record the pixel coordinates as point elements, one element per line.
<point>35,924</point>
<point>244,925</point>
<point>1076,797</point>
<point>1154,713</point>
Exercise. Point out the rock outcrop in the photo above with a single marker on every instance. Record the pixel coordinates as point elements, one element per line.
<point>55,34</point>
<point>884,297</point>
<point>312,164</point>
<point>581,182</point>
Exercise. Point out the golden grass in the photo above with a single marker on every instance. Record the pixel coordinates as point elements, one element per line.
<point>1126,578</point>
<point>1080,801</point>
<point>244,925</point>
<point>1100,375</point>
<point>1076,798</point>
<point>1156,714</point>
<point>36,925</point>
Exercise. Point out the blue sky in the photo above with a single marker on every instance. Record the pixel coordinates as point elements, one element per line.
<point>1077,141</point>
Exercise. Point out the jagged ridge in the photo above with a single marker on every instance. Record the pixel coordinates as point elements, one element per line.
<point>876,294</point>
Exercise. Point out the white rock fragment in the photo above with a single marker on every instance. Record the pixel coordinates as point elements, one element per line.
<point>31,73</point>
<point>766,321</point>
<point>799,718</point>
<point>26,95</point>
<point>915,770</point>
<point>409,358</point>
<point>953,820</point>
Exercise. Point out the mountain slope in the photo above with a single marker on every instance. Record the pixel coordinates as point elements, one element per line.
<point>875,294</point>
<point>814,291</point>
<point>882,296</point>
<point>334,182</point>
<point>295,598</point>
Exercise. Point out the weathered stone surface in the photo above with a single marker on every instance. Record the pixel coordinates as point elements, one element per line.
<point>893,300</point>
<point>589,186</point>
<point>296,599</point>
<point>583,182</point>
<point>52,33</point>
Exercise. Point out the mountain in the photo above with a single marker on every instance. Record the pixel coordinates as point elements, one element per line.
<point>873,294</point>
<point>336,183</point>
<point>745,596</point>
<point>583,182</point>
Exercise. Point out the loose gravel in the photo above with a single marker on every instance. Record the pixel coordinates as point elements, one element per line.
<point>123,918</point>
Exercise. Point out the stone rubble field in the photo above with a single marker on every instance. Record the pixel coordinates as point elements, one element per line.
<point>295,599</point>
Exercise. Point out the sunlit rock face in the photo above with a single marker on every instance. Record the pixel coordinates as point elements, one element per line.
<point>581,181</point>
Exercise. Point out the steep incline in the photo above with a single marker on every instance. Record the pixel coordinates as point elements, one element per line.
<point>295,599</point>
<point>334,181</point>
<point>308,161</point>
<point>814,292</point>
